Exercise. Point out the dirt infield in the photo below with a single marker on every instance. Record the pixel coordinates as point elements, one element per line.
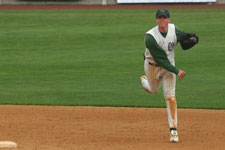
<point>140,6</point>
<point>109,128</point>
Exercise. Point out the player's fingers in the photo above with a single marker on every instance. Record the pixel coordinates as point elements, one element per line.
<point>180,77</point>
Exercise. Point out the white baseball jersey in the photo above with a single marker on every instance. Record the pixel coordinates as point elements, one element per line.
<point>166,43</point>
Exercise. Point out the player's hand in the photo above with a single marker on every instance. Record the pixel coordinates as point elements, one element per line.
<point>181,74</point>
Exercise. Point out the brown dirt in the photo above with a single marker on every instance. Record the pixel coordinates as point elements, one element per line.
<point>109,128</point>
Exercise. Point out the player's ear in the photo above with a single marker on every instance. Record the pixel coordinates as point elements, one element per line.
<point>156,20</point>
<point>169,20</point>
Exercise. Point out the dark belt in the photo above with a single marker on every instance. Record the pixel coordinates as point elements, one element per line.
<point>150,62</point>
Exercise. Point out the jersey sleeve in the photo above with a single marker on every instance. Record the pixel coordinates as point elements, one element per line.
<point>159,54</point>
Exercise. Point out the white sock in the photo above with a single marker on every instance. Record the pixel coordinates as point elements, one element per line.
<point>145,84</point>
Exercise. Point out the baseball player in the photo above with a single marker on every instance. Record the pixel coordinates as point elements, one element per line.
<point>159,63</point>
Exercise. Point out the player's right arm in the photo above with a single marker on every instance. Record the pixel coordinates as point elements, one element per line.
<point>158,54</point>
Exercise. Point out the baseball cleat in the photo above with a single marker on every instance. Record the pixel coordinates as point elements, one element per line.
<point>144,78</point>
<point>174,136</point>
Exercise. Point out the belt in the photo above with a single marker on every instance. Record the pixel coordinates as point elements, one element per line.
<point>152,64</point>
<point>149,61</point>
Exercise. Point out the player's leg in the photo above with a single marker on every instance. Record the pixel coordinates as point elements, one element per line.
<point>169,84</point>
<point>172,118</point>
<point>150,82</point>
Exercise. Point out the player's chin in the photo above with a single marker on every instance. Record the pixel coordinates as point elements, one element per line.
<point>163,25</point>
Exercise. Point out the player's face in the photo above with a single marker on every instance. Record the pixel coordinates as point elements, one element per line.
<point>162,21</point>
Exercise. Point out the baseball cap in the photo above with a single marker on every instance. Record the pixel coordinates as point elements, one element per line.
<point>162,12</point>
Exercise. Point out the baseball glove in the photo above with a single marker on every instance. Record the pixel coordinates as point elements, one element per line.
<point>188,40</point>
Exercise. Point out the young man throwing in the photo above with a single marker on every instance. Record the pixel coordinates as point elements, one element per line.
<point>159,64</point>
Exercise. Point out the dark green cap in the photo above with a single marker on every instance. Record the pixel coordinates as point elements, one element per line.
<point>162,12</point>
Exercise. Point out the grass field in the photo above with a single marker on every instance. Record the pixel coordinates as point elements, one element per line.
<point>94,57</point>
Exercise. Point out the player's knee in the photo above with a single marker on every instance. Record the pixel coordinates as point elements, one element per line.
<point>171,99</point>
<point>154,91</point>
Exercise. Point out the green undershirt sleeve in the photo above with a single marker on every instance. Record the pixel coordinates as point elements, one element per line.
<point>159,54</point>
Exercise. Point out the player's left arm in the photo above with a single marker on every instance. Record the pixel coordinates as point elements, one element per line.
<point>187,40</point>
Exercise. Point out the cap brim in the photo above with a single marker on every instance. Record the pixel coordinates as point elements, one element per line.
<point>162,15</point>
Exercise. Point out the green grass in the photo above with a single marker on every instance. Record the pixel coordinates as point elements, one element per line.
<point>94,57</point>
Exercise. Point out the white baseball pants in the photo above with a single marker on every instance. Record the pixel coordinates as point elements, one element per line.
<point>155,76</point>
